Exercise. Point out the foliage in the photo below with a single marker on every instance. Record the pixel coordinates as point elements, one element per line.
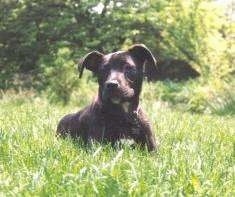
<point>194,96</point>
<point>183,29</point>
<point>196,156</point>
<point>60,75</point>
<point>41,42</point>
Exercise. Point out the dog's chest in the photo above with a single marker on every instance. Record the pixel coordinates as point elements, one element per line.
<point>121,127</point>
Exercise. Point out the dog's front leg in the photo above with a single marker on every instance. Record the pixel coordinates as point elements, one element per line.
<point>150,140</point>
<point>146,138</point>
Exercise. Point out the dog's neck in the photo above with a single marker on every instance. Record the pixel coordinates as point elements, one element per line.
<point>125,107</point>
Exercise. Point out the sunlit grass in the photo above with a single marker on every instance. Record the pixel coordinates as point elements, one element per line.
<point>196,155</point>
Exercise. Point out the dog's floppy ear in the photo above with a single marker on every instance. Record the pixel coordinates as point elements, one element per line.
<point>144,56</point>
<point>91,62</point>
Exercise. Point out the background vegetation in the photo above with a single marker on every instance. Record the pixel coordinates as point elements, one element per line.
<point>40,45</point>
<point>42,41</point>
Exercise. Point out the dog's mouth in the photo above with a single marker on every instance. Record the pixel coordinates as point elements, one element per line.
<point>117,96</point>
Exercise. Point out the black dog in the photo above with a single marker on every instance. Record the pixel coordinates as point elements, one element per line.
<point>115,113</point>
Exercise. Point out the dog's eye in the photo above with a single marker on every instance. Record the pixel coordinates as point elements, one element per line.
<point>131,73</point>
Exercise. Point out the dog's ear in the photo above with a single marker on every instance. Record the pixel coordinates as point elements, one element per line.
<point>146,58</point>
<point>91,62</point>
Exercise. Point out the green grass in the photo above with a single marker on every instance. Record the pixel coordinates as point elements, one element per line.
<point>196,155</point>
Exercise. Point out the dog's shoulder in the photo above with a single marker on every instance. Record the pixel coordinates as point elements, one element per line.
<point>73,121</point>
<point>67,123</point>
<point>90,112</point>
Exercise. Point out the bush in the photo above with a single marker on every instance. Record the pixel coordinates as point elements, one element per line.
<point>59,75</point>
<point>196,31</point>
<point>41,40</point>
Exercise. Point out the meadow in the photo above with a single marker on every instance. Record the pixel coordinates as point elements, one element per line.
<point>195,157</point>
<point>41,43</point>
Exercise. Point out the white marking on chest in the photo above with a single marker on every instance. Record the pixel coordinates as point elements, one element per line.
<point>126,106</point>
<point>115,100</point>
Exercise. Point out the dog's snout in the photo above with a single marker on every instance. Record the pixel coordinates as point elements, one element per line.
<point>112,84</point>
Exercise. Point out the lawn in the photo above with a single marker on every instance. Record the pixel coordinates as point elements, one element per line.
<point>195,157</point>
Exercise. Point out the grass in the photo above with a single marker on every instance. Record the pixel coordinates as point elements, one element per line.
<point>196,156</point>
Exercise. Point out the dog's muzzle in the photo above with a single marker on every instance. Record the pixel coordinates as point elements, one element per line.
<point>111,85</point>
<point>111,91</point>
<point>116,93</point>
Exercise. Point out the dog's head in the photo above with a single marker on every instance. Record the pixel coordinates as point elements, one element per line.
<point>120,74</point>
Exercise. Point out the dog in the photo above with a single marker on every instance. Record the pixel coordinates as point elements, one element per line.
<point>115,113</point>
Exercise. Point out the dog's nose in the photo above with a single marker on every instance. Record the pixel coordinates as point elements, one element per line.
<point>112,84</point>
